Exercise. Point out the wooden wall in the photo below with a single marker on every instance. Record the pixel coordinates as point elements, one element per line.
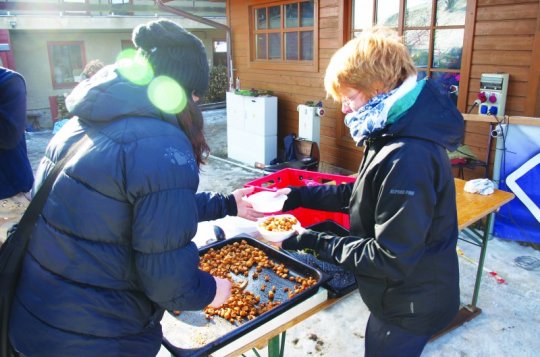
<point>505,38</point>
<point>296,87</point>
<point>501,36</point>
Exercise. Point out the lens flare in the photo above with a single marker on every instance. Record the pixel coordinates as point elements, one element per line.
<point>167,95</point>
<point>134,67</point>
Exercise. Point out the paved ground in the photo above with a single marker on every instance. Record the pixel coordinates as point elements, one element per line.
<point>218,175</point>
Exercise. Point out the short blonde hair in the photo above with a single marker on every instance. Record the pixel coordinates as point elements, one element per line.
<point>378,55</point>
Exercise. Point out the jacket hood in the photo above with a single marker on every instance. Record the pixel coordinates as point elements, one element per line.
<point>432,117</point>
<point>108,96</point>
<point>5,74</point>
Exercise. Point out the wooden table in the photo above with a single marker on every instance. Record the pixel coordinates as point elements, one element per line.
<point>471,208</point>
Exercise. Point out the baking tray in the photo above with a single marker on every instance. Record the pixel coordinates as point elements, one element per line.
<point>202,337</point>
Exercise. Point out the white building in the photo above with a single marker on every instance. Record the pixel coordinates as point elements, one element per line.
<point>50,41</point>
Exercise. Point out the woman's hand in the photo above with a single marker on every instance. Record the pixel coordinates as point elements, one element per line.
<point>244,208</point>
<point>223,292</point>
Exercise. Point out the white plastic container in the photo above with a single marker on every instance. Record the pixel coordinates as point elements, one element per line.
<point>266,201</point>
<point>277,236</point>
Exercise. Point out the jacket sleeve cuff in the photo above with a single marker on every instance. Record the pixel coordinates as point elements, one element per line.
<point>294,200</point>
<point>232,209</point>
<point>209,282</point>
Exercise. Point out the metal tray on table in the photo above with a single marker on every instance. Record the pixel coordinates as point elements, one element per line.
<point>191,334</point>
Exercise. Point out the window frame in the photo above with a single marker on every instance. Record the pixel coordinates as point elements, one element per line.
<point>71,4</point>
<point>50,45</point>
<point>283,64</point>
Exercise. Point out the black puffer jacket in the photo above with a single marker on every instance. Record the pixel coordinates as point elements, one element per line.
<point>112,248</point>
<point>403,216</point>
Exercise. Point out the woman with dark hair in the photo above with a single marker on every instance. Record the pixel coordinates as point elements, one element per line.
<point>112,248</point>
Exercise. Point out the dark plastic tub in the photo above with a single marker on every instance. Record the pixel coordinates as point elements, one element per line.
<point>330,227</point>
<point>296,268</point>
<point>341,281</point>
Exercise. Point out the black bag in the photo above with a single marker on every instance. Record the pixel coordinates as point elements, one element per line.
<point>11,255</point>
<point>13,250</point>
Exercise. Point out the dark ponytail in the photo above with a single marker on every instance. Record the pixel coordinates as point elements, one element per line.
<point>192,123</point>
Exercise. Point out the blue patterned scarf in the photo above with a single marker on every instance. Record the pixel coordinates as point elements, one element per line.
<point>373,116</point>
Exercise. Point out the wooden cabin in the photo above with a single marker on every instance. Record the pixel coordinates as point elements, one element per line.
<point>285,46</point>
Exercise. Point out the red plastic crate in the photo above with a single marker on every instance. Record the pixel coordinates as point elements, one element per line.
<point>294,177</point>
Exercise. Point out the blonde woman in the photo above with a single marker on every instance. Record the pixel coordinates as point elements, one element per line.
<point>403,233</point>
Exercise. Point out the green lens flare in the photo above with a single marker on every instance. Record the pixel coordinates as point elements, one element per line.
<point>167,95</point>
<point>134,67</point>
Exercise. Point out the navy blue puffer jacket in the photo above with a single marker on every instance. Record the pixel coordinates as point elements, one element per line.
<point>112,248</point>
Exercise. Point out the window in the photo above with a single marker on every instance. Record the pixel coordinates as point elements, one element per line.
<point>66,61</point>
<point>433,30</point>
<point>284,33</point>
<point>71,7</point>
<point>119,7</point>
<point>219,55</point>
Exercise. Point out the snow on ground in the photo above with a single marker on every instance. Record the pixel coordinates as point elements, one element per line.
<point>509,324</point>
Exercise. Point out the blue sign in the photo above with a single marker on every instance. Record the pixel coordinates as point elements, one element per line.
<point>520,173</point>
